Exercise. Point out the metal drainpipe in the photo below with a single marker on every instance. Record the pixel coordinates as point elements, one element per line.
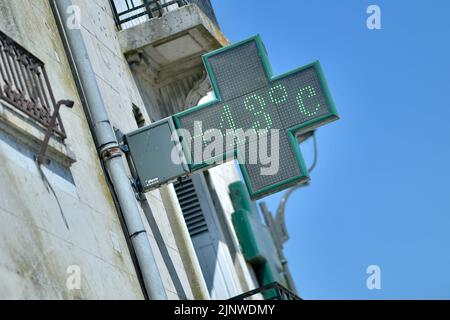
<point>111,156</point>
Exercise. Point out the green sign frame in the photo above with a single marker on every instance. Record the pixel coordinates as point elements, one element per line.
<point>292,132</point>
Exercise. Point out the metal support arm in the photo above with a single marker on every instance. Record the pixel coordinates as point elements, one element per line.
<point>41,157</point>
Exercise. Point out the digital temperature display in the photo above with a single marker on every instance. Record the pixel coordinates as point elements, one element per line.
<point>248,96</point>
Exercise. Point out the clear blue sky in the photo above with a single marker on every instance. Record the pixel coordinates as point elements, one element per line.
<point>380,193</point>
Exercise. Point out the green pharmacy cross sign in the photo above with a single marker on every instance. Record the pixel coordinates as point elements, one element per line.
<point>248,96</point>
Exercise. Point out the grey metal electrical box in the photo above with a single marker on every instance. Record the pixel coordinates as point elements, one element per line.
<point>156,157</point>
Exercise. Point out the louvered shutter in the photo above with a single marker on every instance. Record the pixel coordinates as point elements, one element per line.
<point>207,237</point>
<point>191,208</point>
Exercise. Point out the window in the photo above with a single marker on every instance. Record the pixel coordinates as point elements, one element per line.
<point>24,83</point>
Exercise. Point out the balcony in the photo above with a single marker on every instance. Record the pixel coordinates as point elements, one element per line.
<point>24,84</point>
<point>128,13</point>
<point>272,291</point>
<point>163,42</point>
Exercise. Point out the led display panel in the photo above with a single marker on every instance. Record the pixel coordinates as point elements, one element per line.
<point>275,109</point>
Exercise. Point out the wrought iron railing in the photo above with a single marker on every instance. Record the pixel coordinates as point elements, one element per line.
<point>24,83</point>
<point>128,13</point>
<point>273,291</point>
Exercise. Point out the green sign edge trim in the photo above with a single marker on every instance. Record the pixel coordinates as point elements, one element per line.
<point>310,125</point>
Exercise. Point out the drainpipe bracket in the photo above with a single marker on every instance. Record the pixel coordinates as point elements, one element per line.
<point>110,151</point>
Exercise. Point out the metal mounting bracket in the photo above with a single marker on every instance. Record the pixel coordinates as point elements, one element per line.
<point>41,157</point>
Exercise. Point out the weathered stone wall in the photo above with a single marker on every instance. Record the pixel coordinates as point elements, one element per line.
<point>120,92</point>
<point>36,248</point>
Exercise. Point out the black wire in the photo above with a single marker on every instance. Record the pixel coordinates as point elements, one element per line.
<point>316,153</point>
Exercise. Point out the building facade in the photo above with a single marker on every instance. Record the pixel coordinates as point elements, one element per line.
<point>73,227</point>
<point>63,234</point>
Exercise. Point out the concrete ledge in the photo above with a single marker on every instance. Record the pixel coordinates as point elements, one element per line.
<point>170,47</point>
<point>30,133</point>
<point>159,30</point>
